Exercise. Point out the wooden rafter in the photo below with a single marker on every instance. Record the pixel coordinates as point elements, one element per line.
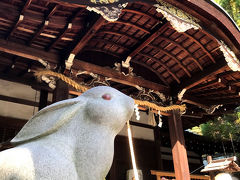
<point>20,18</point>
<point>62,34</point>
<point>198,43</point>
<point>44,24</point>
<point>195,101</point>
<point>28,52</point>
<point>225,96</point>
<point>120,34</point>
<point>156,32</point>
<point>217,81</point>
<point>119,77</point>
<point>204,75</point>
<point>226,73</point>
<point>134,61</point>
<point>151,69</point>
<point>102,51</point>
<point>228,89</point>
<point>126,23</point>
<point>67,27</point>
<point>172,57</point>
<point>234,82</point>
<point>26,5</point>
<point>183,49</point>
<point>110,42</point>
<point>89,34</point>
<point>162,64</point>
<point>84,39</point>
<point>146,41</point>
<point>212,51</point>
<point>36,54</point>
<point>225,101</point>
<point>134,11</point>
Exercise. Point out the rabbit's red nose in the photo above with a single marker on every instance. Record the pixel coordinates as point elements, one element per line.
<point>106,96</point>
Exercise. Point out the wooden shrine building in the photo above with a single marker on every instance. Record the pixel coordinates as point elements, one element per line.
<point>163,51</point>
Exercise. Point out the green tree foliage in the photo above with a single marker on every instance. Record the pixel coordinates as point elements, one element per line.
<point>232,7</point>
<point>222,127</point>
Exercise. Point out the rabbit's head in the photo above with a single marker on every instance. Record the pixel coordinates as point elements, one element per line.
<point>108,106</point>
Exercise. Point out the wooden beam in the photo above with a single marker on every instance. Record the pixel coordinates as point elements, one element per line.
<point>29,16</point>
<point>90,33</point>
<point>117,33</point>
<point>61,91</point>
<point>162,64</point>
<point>43,25</point>
<point>102,51</point>
<point>225,96</point>
<point>195,101</point>
<point>151,69</point>
<point>225,101</point>
<point>172,57</point>
<point>66,28</point>
<point>35,54</point>
<point>146,41</point>
<point>26,81</point>
<point>111,42</point>
<point>214,82</point>
<point>179,152</point>
<point>157,140</point>
<point>16,24</point>
<point>228,89</point>
<point>43,102</point>
<point>26,5</point>
<point>189,54</point>
<point>198,43</point>
<point>119,77</point>
<point>209,71</point>
<point>28,52</point>
<point>20,18</point>
<point>126,23</point>
<point>136,11</point>
<point>18,100</point>
<point>84,39</point>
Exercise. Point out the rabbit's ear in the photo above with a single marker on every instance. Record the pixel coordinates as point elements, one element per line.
<point>49,120</point>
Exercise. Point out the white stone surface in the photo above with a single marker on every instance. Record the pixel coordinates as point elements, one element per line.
<point>71,139</point>
<point>223,176</point>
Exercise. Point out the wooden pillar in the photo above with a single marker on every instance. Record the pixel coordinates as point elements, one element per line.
<point>61,91</point>
<point>157,139</point>
<point>179,152</point>
<point>211,173</point>
<point>112,172</point>
<point>43,99</point>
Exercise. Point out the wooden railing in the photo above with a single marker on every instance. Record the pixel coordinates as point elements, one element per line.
<point>160,175</point>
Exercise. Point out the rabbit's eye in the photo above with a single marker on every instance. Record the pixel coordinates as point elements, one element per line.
<point>106,96</point>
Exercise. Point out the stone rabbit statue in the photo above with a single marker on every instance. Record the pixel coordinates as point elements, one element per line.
<point>69,140</point>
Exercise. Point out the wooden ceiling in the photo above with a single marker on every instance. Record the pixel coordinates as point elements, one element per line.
<point>34,33</point>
